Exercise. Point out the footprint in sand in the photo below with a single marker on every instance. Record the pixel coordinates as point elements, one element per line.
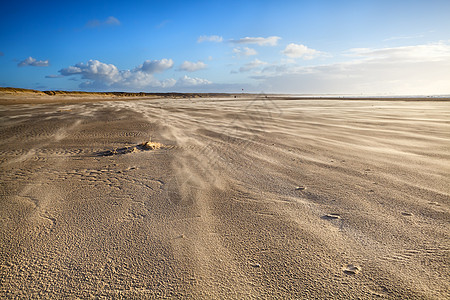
<point>351,269</point>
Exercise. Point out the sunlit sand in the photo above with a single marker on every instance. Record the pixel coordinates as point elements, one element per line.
<point>223,197</point>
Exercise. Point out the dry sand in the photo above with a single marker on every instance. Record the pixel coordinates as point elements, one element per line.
<point>245,199</point>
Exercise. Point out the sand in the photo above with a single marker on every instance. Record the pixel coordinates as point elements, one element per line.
<point>246,198</point>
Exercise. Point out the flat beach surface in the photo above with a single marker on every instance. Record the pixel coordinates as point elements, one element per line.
<point>247,198</point>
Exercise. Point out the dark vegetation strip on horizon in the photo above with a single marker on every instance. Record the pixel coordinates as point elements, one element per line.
<point>12,90</point>
<point>123,94</point>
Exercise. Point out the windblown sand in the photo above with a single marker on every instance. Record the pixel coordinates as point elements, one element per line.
<point>244,199</point>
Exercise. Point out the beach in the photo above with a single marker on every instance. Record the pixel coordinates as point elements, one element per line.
<point>224,197</point>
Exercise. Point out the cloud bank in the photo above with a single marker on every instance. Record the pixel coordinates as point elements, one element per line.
<point>30,61</point>
<point>97,75</point>
<point>428,52</point>
<point>413,70</point>
<point>418,69</point>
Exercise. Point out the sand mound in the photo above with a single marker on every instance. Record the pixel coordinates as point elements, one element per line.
<point>145,146</point>
<point>150,145</point>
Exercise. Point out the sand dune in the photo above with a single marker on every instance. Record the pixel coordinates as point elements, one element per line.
<point>257,197</point>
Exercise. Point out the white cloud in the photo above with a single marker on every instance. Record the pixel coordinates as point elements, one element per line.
<point>30,61</point>
<point>170,82</point>
<point>209,38</point>
<point>192,66</point>
<point>155,66</point>
<point>189,81</point>
<point>252,65</point>
<point>268,41</point>
<point>300,51</point>
<point>246,51</point>
<point>94,70</point>
<point>101,76</point>
<point>110,21</point>
<point>138,79</point>
<point>97,76</point>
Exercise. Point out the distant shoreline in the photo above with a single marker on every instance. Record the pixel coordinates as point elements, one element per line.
<point>11,95</point>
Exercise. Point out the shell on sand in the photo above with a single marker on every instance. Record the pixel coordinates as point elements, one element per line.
<point>352,269</point>
<point>332,216</point>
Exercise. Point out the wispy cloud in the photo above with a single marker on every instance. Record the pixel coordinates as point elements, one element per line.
<point>246,51</point>
<point>30,61</point>
<point>419,70</point>
<point>163,24</point>
<point>254,64</point>
<point>110,21</point>
<point>261,41</point>
<point>425,52</point>
<point>209,38</point>
<point>192,66</point>
<point>394,38</point>
<point>54,76</point>
<point>300,51</point>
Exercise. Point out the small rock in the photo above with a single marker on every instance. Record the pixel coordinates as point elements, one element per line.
<point>300,188</point>
<point>255,265</point>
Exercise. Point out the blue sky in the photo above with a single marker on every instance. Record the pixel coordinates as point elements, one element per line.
<point>342,47</point>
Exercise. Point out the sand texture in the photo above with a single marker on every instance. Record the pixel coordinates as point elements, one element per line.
<point>247,198</point>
